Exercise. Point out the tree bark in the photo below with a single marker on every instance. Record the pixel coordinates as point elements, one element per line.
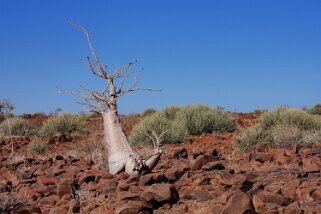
<point>116,144</point>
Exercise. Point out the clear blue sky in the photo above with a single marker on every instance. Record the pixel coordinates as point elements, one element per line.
<point>242,55</point>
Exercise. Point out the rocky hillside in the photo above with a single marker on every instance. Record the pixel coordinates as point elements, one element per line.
<point>207,175</point>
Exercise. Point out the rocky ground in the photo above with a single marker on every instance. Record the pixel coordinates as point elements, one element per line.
<point>207,175</point>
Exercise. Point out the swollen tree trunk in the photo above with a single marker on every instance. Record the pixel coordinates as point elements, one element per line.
<point>116,144</point>
<point>120,155</point>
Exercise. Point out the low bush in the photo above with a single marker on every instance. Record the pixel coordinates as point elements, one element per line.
<point>19,127</point>
<point>281,128</point>
<point>65,124</point>
<point>178,122</point>
<point>315,109</point>
<point>149,112</point>
<point>201,119</point>
<point>37,146</point>
<point>37,114</point>
<point>174,132</point>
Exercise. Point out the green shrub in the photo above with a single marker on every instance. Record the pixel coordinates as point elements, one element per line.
<point>179,122</point>
<point>281,128</point>
<point>175,132</point>
<point>36,114</point>
<point>201,119</point>
<point>19,127</point>
<point>65,124</point>
<point>37,146</point>
<point>149,112</point>
<point>315,109</point>
<point>170,112</point>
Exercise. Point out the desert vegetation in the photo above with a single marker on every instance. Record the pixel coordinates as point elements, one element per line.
<point>195,153</point>
<point>65,125</point>
<point>178,122</point>
<point>18,127</point>
<point>148,112</point>
<point>37,146</point>
<point>316,110</point>
<point>282,128</point>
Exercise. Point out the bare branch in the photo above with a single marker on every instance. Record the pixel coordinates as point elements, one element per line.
<point>88,100</point>
<point>124,78</point>
<point>96,95</point>
<point>116,73</point>
<point>133,86</point>
<point>107,99</point>
<point>155,138</point>
<point>87,33</point>
<point>135,89</point>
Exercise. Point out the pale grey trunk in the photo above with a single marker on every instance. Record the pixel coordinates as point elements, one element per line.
<point>116,143</point>
<point>121,157</point>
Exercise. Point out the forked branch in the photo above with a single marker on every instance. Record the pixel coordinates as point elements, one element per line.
<point>107,98</point>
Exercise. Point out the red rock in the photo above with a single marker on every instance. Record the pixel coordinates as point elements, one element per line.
<point>175,173</point>
<point>293,208</point>
<point>231,180</point>
<point>256,157</point>
<point>149,179</point>
<point>200,161</point>
<point>180,153</point>
<point>7,175</point>
<point>28,181</point>
<point>272,198</point>
<point>47,180</point>
<point>49,201</point>
<point>87,177</point>
<point>281,158</point>
<point>213,165</point>
<point>26,209</point>
<point>64,188</point>
<point>133,207</point>
<point>40,188</point>
<point>289,189</point>
<point>306,189</point>
<point>316,194</point>
<point>135,189</point>
<point>128,196</point>
<point>239,203</point>
<point>201,195</point>
<point>255,188</point>
<point>26,174</point>
<point>224,197</point>
<point>74,170</point>
<point>160,194</point>
<point>311,165</point>
<point>60,210</point>
<point>74,206</point>
<point>263,207</point>
<point>57,171</point>
<point>274,187</point>
<point>121,176</point>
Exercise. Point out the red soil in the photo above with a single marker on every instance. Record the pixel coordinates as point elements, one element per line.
<point>206,175</point>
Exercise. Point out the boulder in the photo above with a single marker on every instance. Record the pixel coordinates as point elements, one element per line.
<point>149,179</point>
<point>47,180</point>
<point>239,203</point>
<point>64,188</point>
<point>180,153</point>
<point>213,165</point>
<point>159,194</point>
<point>134,207</point>
<point>311,165</point>
<point>175,173</point>
<point>200,161</point>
